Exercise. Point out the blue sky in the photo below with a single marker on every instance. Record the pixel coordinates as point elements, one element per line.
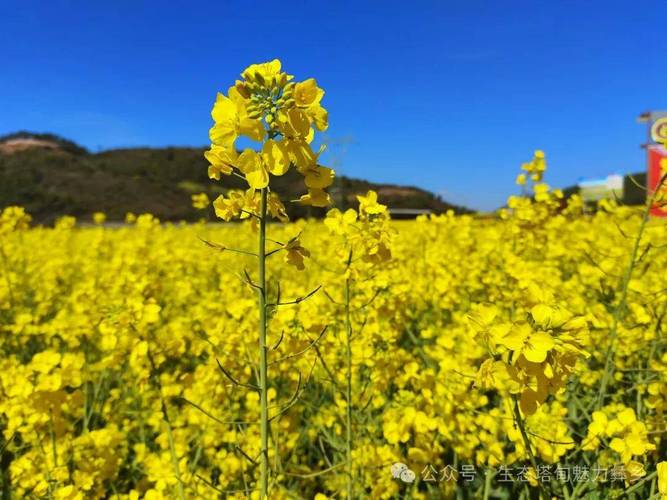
<point>451,96</point>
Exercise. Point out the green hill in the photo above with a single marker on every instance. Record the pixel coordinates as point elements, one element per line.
<point>51,176</point>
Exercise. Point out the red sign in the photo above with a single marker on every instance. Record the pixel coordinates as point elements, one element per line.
<point>657,168</point>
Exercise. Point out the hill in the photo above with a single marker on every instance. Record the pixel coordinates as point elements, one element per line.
<point>51,176</point>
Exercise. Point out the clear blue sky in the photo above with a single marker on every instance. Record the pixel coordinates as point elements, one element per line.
<point>451,96</point>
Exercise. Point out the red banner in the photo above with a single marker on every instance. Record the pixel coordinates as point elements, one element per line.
<point>657,168</point>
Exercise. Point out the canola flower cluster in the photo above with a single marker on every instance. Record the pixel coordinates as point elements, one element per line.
<point>267,106</point>
<point>130,365</point>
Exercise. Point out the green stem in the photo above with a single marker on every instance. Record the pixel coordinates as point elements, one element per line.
<point>348,390</point>
<point>566,493</point>
<point>174,458</point>
<point>641,483</point>
<point>263,353</point>
<point>579,488</point>
<point>526,442</point>
<point>487,484</point>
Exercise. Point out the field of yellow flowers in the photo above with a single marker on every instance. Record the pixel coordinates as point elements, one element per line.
<point>520,356</point>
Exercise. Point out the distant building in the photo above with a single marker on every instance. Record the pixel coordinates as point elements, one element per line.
<point>592,190</point>
<point>408,213</point>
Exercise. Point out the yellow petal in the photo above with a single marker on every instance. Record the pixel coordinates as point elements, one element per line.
<point>266,70</point>
<point>306,93</point>
<point>299,153</point>
<point>528,401</point>
<point>252,128</point>
<point>662,478</point>
<point>316,198</point>
<point>514,338</point>
<point>319,177</point>
<point>276,208</point>
<point>350,216</point>
<point>221,160</point>
<point>222,135</point>
<point>635,470</point>
<point>249,161</point>
<point>275,158</point>
<point>258,179</point>
<point>627,417</point>
<point>539,343</point>
<point>298,122</point>
<point>320,117</point>
<point>224,110</point>
<point>542,315</point>
<point>617,445</point>
<point>636,444</point>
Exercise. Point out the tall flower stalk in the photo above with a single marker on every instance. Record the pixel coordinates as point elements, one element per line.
<point>365,245</point>
<point>535,342</point>
<point>281,116</point>
<point>263,349</point>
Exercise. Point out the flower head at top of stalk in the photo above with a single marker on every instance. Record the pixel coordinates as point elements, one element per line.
<point>268,107</point>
